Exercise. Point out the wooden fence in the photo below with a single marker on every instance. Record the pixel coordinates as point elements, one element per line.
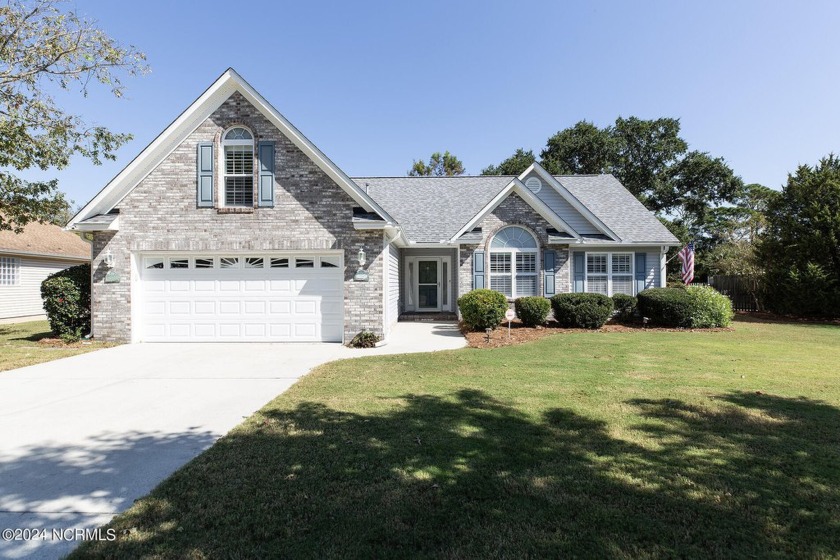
<point>737,289</point>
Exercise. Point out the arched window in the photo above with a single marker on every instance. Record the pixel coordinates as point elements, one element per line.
<point>238,150</point>
<point>513,262</point>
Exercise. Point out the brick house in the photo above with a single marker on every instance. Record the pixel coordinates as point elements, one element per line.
<point>233,226</point>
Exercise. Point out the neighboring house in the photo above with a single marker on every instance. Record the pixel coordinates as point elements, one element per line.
<point>233,226</point>
<point>26,259</point>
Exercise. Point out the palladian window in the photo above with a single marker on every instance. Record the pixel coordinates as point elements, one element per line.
<point>513,263</point>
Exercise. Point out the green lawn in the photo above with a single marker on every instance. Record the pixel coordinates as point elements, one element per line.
<point>620,445</point>
<point>19,345</point>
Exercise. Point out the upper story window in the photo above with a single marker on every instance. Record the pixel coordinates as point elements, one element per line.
<point>238,150</point>
<point>513,262</point>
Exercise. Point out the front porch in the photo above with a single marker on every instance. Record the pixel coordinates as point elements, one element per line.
<point>429,286</point>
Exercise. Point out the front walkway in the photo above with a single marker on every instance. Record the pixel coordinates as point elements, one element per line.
<point>85,436</point>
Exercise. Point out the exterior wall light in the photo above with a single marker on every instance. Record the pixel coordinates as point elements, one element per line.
<point>109,259</point>
<point>362,257</point>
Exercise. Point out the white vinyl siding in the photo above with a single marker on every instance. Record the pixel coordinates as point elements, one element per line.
<point>24,298</point>
<point>392,288</point>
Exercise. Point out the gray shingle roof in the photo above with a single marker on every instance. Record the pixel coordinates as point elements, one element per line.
<point>432,209</point>
<point>614,205</point>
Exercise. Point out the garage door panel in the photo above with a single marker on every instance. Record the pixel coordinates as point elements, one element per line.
<point>255,307</point>
<point>205,307</point>
<point>240,304</point>
<point>227,307</point>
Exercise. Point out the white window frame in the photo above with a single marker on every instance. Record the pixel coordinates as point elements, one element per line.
<point>513,252</point>
<point>225,142</point>
<point>609,274</point>
<point>10,271</point>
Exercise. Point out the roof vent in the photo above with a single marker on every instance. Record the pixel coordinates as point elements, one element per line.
<point>533,184</point>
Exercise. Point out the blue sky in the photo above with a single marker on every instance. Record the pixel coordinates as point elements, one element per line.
<point>377,84</point>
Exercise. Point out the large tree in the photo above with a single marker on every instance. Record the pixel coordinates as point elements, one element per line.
<point>801,241</point>
<point>44,48</point>
<point>583,148</point>
<point>440,165</point>
<point>514,165</point>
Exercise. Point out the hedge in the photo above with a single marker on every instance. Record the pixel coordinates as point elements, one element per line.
<point>532,310</point>
<point>482,309</point>
<point>588,311</point>
<point>692,307</point>
<point>66,296</point>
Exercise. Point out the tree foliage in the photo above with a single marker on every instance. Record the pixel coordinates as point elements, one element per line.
<point>800,244</point>
<point>43,48</point>
<point>440,165</point>
<point>583,148</point>
<point>514,165</point>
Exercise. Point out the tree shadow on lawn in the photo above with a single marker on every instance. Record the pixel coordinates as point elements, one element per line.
<point>33,337</point>
<point>469,476</point>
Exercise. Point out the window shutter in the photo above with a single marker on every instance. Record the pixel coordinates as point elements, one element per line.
<point>579,269</point>
<point>549,259</point>
<point>641,271</point>
<point>204,175</point>
<point>478,270</point>
<point>266,156</point>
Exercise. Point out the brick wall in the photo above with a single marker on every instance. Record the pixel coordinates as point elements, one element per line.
<point>310,212</point>
<point>513,211</point>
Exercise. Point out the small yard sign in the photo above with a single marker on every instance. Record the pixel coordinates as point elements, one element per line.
<point>510,315</point>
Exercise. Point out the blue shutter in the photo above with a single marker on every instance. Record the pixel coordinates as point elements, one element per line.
<point>478,270</point>
<point>266,156</point>
<point>204,175</point>
<point>641,271</point>
<point>549,260</point>
<point>579,269</point>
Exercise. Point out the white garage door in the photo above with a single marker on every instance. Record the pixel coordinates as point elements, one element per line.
<point>247,298</point>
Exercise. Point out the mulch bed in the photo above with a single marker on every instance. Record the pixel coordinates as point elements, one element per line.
<point>58,343</point>
<point>520,334</point>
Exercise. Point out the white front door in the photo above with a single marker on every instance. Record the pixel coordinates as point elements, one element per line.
<point>241,298</point>
<point>428,284</point>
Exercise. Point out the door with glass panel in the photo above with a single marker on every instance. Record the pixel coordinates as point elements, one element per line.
<point>428,284</point>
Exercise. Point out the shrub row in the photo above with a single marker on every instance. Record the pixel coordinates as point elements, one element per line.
<point>691,307</point>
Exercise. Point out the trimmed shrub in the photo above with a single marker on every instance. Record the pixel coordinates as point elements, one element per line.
<point>364,339</point>
<point>482,309</point>
<point>66,296</point>
<point>692,307</point>
<point>625,307</point>
<point>710,308</point>
<point>532,310</point>
<point>588,311</point>
<point>667,307</point>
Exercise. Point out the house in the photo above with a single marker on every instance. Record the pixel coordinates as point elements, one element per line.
<point>26,259</point>
<point>232,226</point>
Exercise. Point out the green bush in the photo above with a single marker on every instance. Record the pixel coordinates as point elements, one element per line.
<point>666,307</point>
<point>482,309</point>
<point>710,308</point>
<point>588,311</point>
<point>66,296</point>
<point>532,310</point>
<point>364,339</point>
<point>809,291</point>
<point>692,307</point>
<point>625,306</point>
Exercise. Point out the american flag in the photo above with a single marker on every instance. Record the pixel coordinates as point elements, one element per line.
<point>686,256</point>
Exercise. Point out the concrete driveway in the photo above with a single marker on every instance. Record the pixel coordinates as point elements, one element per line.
<point>83,437</point>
